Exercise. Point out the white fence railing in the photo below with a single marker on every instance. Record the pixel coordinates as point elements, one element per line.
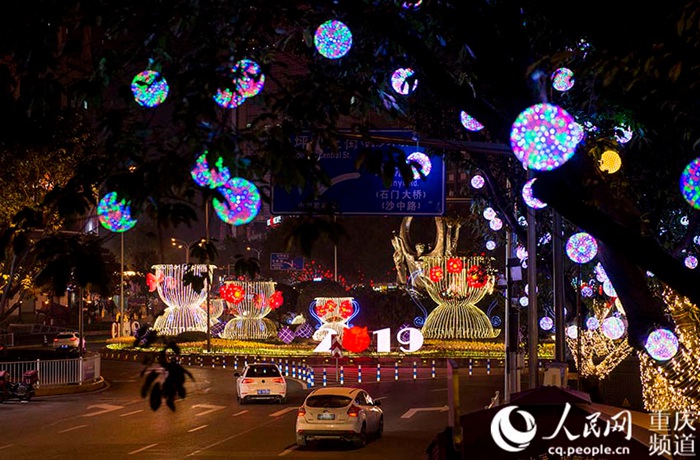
<point>57,371</point>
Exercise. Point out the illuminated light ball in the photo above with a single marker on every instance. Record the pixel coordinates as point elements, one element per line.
<point>572,332</point>
<point>608,289</point>
<point>496,224</point>
<point>696,239</point>
<point>625,134</point>
<point>587,291</point>
<point>477,182</point>
<point>523,263</point>
<point>228,99</point>
<point>521,252</point>
<point>149,88</point>
<point>529,199</point>
<point>522,221</point>
<point>210,177</point>
<point>490,245</point>
<point>690,183</point>
<point>496,321</point>
<point>661,344</point>
<point>592,323</point>
<point>545,239</point>
<point>546,323</point>
<point>249,79</point>
<point>563,79</point>
<point>578,133</point>
<point>542,137</point>
<point>691,262</point>
<point>524,301</point>
<point>469,122</point>
<point>581,248</point>
<point>242,202</point>
<point>423,161</point>
<point>489,213</point>
<point>612,327</point>
<point>333,39</point>
<point>600,273</point>
<point>115,215</point>
<point>610,162</point>
<point>398,81</point>
<point>685,221</point>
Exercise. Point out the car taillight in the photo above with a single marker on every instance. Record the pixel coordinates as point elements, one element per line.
<point>248,381</point>
<point>73,339</point>
<point>55,340</point>
<point>301,412</point>
<point>354,411</point>
<point>278,380</point>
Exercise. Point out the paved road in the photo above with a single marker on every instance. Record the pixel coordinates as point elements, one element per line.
<point>116,423</point>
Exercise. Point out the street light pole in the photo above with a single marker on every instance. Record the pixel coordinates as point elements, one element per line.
<point>257,251</point>
<point>182,244</point>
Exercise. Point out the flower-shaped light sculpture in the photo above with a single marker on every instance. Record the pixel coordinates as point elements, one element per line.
<point>456,294</point>
<point>249,314</point>
<point>333,313</point>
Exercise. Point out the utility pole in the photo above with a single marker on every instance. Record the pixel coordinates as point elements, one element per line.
<point>532,320</point>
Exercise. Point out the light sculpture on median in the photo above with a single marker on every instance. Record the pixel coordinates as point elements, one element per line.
<point>183,312</point>
<point>250,302</point>
<point>333,313</point>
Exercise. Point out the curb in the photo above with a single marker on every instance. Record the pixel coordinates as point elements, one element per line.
<point>72,389</point>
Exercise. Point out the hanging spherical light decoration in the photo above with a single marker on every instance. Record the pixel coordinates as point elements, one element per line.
<point>115,215</point>
<point>691,262</point>
<point>612,327</point>
<point>610,162</point>
<point>469,122</point>
<point>248,78</point>
<point>592,323</point>
<point>546,323</point>
<point>477,181</point>
<point>399,83</point>
<point>581,248</point>
<point>490,245</point>
<point>424,164</point>
<point>529,199</point>
<point>608,288</point>
<point>228,99</point>
<point>572,332</point>
<point>690,183</point>
<point>333,39</point>
<point>661,344</point>
<point>149,88</point>
<point>563,79</point>
<point>496,224</point>
<point>625,134</point>
<point>542,137</point>
<point>242,202</point>
<point>204,176</point>
<point>489,213</point>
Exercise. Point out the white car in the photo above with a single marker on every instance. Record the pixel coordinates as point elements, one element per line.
<point>67,341</point>
<point>348,414</point>
<point>261,381</point>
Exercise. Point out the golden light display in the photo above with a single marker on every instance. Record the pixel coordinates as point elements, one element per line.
<point>674,385</point>
<point>610,162</point>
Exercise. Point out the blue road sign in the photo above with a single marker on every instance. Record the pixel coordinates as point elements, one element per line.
<point>362,193</point>
<point>285,261</point>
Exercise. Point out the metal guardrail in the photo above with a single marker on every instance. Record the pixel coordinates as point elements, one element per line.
<point>7,340</point>
<point>57,371</point>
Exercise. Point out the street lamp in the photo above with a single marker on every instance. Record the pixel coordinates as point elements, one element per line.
<point>257,251</point>
<point>183,245</point>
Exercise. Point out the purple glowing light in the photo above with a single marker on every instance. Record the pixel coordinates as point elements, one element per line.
<point>423,161</point>
<point>662,344</point>
<point>496,224</point>
<point>608,289</point>
<point>562,79</point>
<point>581,248</point>
<point>592,323</point>
<point>115,215</point>
<point>477,182</point>
<point>333,39</point>
<point>242,202</point>
<point>542,137</point>
<point>546,323</point>
<point>612,327</point>
<point>490,245</point>
<point>625,134</point>
<point>489,213</point>
<point>691,262</point>
<point>529,199</point>
<point>399,83</point>
<point>470,123</point>
<point>690,183</point>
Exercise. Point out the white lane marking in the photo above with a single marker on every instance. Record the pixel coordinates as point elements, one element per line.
<point>131,413</point>
<point>240,413</point>
<point>104,408</point>
<point>197,429</point>
<point>440,389</point>
<point>411,412</point>
<point>209,408</point>
<point>142,449</point>
<point>198,451</point>
<point>6,446</point>
<point>286,451</point>
<point>283,411</point>
<point>73,428</point>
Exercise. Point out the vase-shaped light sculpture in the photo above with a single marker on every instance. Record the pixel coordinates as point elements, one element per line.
<point>183,312</point>
<point>456,284</point>
<point>333,313</point>
<point>249,311</point>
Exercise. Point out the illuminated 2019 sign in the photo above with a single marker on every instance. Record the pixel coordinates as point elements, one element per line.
<point>411,337</point>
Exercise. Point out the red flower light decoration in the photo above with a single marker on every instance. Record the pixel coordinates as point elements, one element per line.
<point>258,301</point>
<point>356,339</point>
<point>435,274</point>
<point>454,265</point>
<point>477,277</point>
<point>232,293</point>
<point>276,300</point>
<point>346,309</point>
<point>152,281</point>
<point>324,309</point>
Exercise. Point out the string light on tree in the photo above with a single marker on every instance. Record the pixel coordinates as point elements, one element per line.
<point>149,88</point>
<point>469,122</point>
<point>529,199</point>
<point>333,39</point>
<point>399,83</point>
<point>563,79</point>
<point>542,137</point>
<point>581,248</point>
